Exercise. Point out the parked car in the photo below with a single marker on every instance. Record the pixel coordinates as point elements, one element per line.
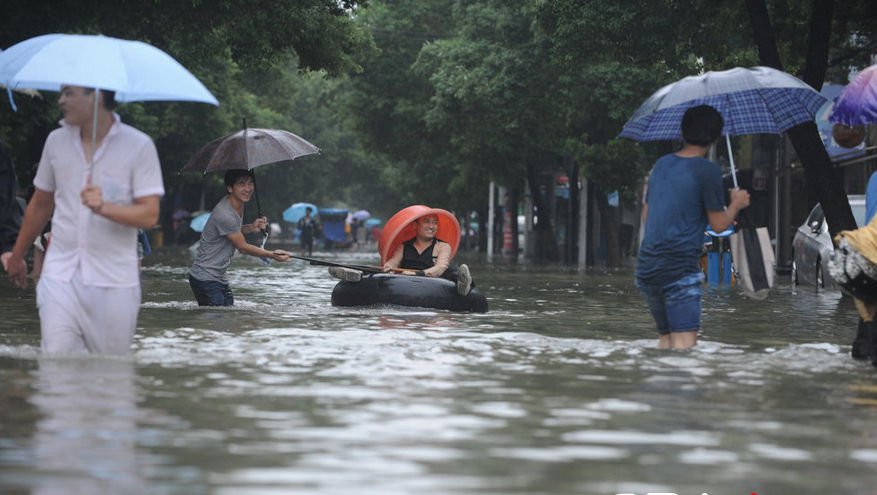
<point>812,245</point>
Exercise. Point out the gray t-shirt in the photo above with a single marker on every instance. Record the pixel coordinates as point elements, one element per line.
<point>215,250</point>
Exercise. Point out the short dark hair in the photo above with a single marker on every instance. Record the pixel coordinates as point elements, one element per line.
<point>702,125</point>
<point>232,175</point>
<point>109,97</point>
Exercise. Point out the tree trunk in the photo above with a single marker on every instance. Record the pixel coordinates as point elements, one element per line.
<point>546,239</point>
<point>590,249</point>
<point>482,229</point>
<point>822,177</point>
<point>512,206</point>
<point>572,238</point>
<point>610,228</point>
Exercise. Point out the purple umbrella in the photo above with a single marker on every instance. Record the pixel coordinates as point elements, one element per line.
<point>361,215</point>
<point>857,103</point>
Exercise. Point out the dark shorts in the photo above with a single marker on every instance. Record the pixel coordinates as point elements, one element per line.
<point>675,306</point>
<point>211,293</point>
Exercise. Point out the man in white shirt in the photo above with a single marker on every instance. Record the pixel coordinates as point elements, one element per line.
<point>89,292</point>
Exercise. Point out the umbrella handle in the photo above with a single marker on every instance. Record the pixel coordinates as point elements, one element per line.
<point>256,193</point>
<point>731,159</point>
<point>259,206</point>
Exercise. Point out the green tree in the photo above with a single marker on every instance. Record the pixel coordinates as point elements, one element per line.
<point>230,52</point>
<point>824,181</point>
<point>387,102</point>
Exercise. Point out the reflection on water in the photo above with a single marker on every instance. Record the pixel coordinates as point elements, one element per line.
<point>85,438</point>
<point>559,389</point>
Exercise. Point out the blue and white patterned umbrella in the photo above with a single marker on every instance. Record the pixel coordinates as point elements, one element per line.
<point>759,100</point>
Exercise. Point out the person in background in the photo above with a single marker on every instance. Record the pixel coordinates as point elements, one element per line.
<point>97,197</point>
<point>684,194</point>
<point>308,227</point>
<point>10,207</point>
<point>865,342</point>
<point>222,236</point>
<point>354,233</point>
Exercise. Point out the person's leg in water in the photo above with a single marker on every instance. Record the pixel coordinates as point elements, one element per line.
<point>655,301</point>
<point>211,293</point>
<point>676,310</point>
<point>865,344</point>
<point>682,300</point>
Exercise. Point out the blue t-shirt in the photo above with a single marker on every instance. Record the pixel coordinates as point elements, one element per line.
<point>680,192</point>
<point>871,198</point>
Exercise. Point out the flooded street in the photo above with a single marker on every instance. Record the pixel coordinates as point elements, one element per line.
<point>559,389</point>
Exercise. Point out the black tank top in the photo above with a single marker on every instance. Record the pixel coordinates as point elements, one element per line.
<point>412,260</point>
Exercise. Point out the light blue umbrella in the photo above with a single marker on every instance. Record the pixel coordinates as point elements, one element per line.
<point>295,212</point>
<point>760,100</point>
<point>198,223</point>
<point>136,71</point>
<point>373,222</point>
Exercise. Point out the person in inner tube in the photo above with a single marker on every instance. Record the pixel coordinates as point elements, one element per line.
<point>428,254</point>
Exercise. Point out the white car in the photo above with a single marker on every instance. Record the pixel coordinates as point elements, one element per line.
<point>812,245</point>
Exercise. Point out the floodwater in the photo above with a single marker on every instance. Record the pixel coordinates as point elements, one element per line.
<point>559,389</point>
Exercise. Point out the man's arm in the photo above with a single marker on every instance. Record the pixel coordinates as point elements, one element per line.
<point>38,213</point>
<point>142,214</point>
<point>258,225</point>
<point>720,220</point>
<point>237,239</point>
<point>394,260</point>
<point>443,259</point>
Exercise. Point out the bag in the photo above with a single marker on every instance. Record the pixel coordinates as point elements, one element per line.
<point>754,260</point>
<point>853,272</point>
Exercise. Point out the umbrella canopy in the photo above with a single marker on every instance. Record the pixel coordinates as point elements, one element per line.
<point>399,228</point>
<point>297,211</point>
<point>373,222</point>
<point>198,223</point>
<point>759,100</point>
<point>136,71</point>
<point>361,215</point>
<point>857,103</point>
<point>248,149</point>
<point>30,92</point>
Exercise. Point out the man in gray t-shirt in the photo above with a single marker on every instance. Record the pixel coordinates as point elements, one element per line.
<point>223,234</point>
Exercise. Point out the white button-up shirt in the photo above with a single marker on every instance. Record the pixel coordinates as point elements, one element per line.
<point>125,167</point>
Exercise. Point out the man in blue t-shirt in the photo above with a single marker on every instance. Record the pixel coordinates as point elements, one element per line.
<point>684,195</point>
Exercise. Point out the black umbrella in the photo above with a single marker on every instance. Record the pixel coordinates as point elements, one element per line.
<point>248,149</point>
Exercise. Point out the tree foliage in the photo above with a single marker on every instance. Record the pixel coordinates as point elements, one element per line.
<point>248,53</point>
<point>424,102</point>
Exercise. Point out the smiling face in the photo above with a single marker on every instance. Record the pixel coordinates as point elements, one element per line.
<point>427,227</point>
<point>76,105</point>
<point>242,189</point>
